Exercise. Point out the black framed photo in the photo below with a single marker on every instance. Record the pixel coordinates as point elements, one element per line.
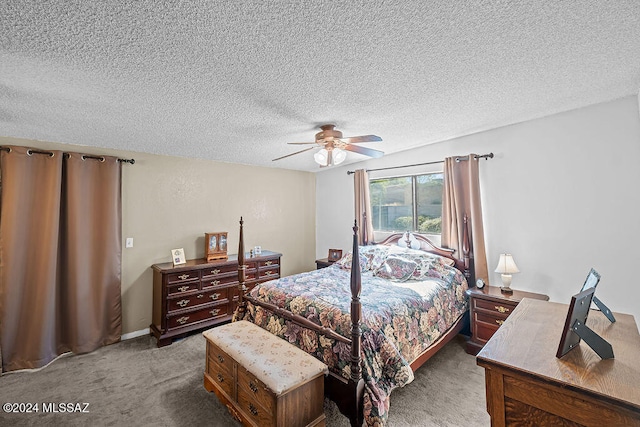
<point>335,254</point>
<point>578,312</point>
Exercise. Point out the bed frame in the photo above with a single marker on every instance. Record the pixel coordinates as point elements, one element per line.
<point>348,394</point>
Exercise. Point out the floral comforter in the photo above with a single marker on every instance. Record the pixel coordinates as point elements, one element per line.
<point>400,319</point>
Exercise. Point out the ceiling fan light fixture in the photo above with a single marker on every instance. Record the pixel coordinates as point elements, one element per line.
<point>339,156</point>
<point>321,157</point>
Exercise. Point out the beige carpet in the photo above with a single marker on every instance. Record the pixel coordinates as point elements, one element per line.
<point>134,383</point>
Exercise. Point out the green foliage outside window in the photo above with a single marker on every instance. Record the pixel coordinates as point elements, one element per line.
<point>411,203</point>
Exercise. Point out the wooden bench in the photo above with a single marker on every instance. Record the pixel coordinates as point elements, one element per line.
<point>262,379</point>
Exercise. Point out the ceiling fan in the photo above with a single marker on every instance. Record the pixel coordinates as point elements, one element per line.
<point>334,146</point>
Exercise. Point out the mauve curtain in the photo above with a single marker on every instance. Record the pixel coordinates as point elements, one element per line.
<point>91,251</point>
<point>462,197</point>
<point>29,236</point>
<point>59,255</point>
<point>363,206</point>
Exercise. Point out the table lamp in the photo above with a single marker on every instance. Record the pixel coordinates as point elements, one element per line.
<point>506,267</point>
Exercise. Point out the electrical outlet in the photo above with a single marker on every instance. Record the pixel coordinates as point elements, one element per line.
<point>129,242</point>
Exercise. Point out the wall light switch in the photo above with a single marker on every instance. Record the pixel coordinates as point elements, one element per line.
<point>129,242</point>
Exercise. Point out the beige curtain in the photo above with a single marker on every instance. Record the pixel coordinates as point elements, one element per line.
<point>462,197</point>
<point>59,256</point>
<point>363,207</point>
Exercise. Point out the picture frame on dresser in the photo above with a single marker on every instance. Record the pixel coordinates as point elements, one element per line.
<point>334,254</point>
<point>178,257</point>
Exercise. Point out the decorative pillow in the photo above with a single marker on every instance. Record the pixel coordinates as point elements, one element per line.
<point>418,253</point>
<point>375,255</point>
<point>345,262</point>
<point>396,269</point>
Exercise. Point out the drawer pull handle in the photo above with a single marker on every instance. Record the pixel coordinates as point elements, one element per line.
<point>501,309</point>
<point>268,263</point>
<point>183,302</point>
<point>200,296</point>
<point>215,311</point>
<point>253,409</point>
<point>183,320</point>
<point>499,322</point>
<point>253,387</point>
<point>214,296</point>
<point>268,273</point>
<point>215,271</point>
<point>215,282</point>
<point>183,276</point>
<point>220,359</point>
<point>183,288</point>
<point>220,378</point>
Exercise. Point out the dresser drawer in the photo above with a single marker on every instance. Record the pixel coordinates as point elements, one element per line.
<point>195,299</point>
<point>182,288</point>
<point>221,280</point>
<point>269,263</point>
<point>256,390</point>
<point>211,312</point>
<point>218,359</point>
<point>502,308</point>
<point>268,273</point>
<point>183,276</point>
<point>221,270</point>
<point>256,413</point>
<point>494,319</point>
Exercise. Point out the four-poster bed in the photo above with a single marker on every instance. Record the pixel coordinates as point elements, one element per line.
<point>309,313</point>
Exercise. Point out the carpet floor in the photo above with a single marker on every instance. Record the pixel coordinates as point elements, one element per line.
<point>134,383</point>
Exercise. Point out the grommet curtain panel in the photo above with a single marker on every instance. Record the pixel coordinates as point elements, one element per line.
<point>461,196</point>
<point>363,206</point>
<point>60,255</point>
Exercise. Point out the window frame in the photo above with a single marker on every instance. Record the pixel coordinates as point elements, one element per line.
<point>381,234</point>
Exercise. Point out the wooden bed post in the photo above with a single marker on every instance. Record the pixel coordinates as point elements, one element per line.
<point>466,248</point>
<point>356,308</point>
<point>357,383</point>
<point>242,303</point>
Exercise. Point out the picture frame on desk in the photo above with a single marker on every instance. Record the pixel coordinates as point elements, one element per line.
<point>334,254</point>
<point>178,257</point>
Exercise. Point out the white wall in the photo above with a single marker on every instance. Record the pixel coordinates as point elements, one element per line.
<point>560,195</point>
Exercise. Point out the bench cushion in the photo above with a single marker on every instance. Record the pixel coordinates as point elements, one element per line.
<point>280,365</point>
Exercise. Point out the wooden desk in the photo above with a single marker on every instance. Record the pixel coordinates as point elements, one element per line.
<point>527,385</point>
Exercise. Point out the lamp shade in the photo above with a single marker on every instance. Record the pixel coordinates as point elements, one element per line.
<point>321,157</point>
<point>339,156</point>
<point>506,265</point>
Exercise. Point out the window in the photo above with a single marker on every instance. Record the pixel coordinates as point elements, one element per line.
<point>411,203</point>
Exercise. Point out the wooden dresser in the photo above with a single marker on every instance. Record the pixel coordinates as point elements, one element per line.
<point>489,308</point>
<point>526,384</point>
<point>201,294</point>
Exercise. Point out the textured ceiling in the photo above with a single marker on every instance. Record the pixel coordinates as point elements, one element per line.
<point>235,81</point>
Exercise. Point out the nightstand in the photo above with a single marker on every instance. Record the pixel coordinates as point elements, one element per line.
<point>322,263</point>
<point>489,308</point>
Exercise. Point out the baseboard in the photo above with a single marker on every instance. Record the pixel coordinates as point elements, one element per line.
<point>134,334</point>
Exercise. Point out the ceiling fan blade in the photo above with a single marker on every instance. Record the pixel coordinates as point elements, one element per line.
<point>301,143</point>
<point>366,151</point>
<point>361,138</point>
<point>293,154</point>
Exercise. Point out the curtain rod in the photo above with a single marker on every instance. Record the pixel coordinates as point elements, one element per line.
<point>457,159</point>
<point>84,156</point>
